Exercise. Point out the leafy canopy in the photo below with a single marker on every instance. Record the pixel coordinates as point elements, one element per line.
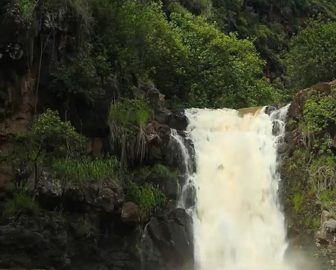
<point>312,55</point>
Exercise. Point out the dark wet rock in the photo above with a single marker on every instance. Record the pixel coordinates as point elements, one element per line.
<point>157,133</point>
<point>104,196</point>
<point>178,120</point>
<point>162,115</point>
<point>130,213</point>
<point>269,109</point>
<point>171,235</point>
<point>168,184</point>
<point>68,241</point>
<point>189,196</point>
<point>155,97</point>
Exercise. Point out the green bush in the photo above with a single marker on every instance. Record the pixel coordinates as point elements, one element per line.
<point>129,114</point>
<point>26,9</point>
<point>21,202</point>
<point>85,169</point>
<point>127,119</point>
<point>298,200</point>
<point>162,170</point>
<point>50,132</point>
<point>320,111</point>
<point>78,79</point>
<point>312,55</point>
<point>327,197</point>
<point>221,71</point>
<point>146,196</point>
<point>48,139</point>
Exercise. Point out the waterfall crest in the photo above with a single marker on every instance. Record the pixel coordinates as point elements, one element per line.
<point>238,224</point>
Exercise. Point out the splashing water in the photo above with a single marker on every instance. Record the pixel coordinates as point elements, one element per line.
<point>238,224</point>
<point>188,185</point>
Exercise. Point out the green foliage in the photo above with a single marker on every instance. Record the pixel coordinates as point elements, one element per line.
<point>127,119</point>
<point>22,202</point>
<point>163,170</point>
<point>76,10</point>
<point>197,7</point>
<point>202,66</point>
<point>320,111</point>
<point>141,174</point>
<point>312,55</point>
<point>270,24</point>
<point>84,169</point>
<point>311,169</point>
<point>138,42</point>
<point>129,113</point>
<point>297,161</point>
<point>322,173</point>
<point>49,134</point>
<point>311,222</point>
<point>298,200</point>
<point>223,71</point>
<point>78,79</point>
<point>48,139</point>
<point>146,196</point>
<point>26,9</point>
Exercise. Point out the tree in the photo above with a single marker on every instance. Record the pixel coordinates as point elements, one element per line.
<point>48,139</point>
<point>222,71</point>
<point>312,55</point>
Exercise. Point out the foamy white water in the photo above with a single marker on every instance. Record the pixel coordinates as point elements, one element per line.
<point>188,174</point>
<point>238,224</point>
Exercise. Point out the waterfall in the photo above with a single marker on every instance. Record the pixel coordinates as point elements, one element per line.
<point>238,224</point>
<point>188,179</point>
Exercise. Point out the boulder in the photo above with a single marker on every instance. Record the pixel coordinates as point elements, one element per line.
<point>157,133</point>
<point>65,242</point>
<point>178,120</point>
<point>130,213</point>
<point>171,236</point>
<point>79,197</point>
<point>330,225</point>
<point>168,184</point>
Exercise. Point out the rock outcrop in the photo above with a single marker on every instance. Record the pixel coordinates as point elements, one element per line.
<point>308,200</point>
<point>168,239</point>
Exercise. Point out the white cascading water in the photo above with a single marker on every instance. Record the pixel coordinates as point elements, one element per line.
<point>238,224</point>
<point>187,166</point>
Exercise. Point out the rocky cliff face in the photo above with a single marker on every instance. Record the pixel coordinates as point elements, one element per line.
<point>90,226</point>
<point>95,226</point>
<point>308,171</point>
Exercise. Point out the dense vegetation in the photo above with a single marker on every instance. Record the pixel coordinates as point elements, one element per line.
<point>90,91</point>
<point>97,63</point>
<point>312,161</point>
<point>198,53</point>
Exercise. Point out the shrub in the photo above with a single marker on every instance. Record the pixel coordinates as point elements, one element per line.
<point>327,197</point>
<point>146,196</point>
<point>129,114</point>
<point>298,200</point>
<point>127,119</point>
<point>60,138</point>
<point>48,139</point>
<point>22,202</point>
<point>312,55</point>
<point>84,169</point>
<point>320,112</point>
<point>26,9</point>
<point>222,70</point>
<point>78,79</point>
<point>162,170</point>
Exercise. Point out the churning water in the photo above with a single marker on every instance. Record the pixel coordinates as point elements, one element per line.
<point>238,224</point>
